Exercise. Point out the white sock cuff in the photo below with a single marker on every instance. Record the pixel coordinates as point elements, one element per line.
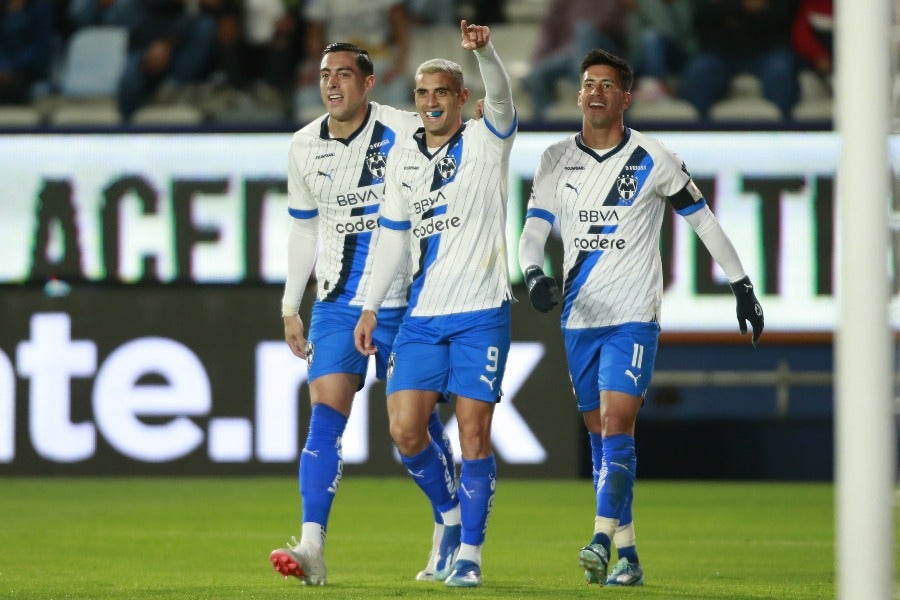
<point>452,516</point>
<point>470,552</point>
<point>624,536</point>
<point>313,534</point>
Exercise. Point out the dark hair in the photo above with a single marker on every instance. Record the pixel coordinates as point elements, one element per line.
<point>602,57</point>
<point>362,57</point>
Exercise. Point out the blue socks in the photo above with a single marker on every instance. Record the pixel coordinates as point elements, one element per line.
<point>625,448</point>
<point>477,481</point>
<point>596,456</point>
<point>321,464</point>
<point>429,470</point>
<point>439,436</point>
<point>616,483</point>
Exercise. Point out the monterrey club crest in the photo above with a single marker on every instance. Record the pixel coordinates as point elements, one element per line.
<point>627,185</point>
<point>376,163</point>
<point>447,167</point>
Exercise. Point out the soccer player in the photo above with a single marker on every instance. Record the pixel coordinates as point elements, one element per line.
<point>446,200</point>
<point>607,188</point>
<point>335,187</point>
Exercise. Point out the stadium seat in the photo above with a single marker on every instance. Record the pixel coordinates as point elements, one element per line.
<point>814,109</point>
<point>19,117</point>
<point>173,114</point>
<point>94,113</point>
<point>526,11</point>
<point>94,62</point>
<point>89,80</point>
<point>744,109</point>
<point>745,85</point>
<point>816,101</point>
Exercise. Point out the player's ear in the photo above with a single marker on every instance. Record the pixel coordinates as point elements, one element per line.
<point>463,96</point>
<point>369,82</point>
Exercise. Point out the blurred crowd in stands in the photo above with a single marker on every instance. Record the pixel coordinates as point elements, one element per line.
<point>261,57</point>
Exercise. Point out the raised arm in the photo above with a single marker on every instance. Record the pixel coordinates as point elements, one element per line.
<point>498,103</point>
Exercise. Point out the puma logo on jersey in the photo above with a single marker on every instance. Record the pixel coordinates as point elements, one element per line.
<point>406,185</point>
<point>327,175</point>
<point>572,187</point>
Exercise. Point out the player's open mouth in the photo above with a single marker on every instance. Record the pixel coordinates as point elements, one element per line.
<point>433,113</point>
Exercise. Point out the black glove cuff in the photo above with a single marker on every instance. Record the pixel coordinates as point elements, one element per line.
<point>742,287</point>
<point>532,274</point>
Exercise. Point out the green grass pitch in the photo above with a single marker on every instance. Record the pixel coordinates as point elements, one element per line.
<point>190,538</point>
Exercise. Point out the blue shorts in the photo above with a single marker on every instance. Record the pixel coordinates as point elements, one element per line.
<point>618,358</point>
<point>330,348</point>
<point>464,354</point>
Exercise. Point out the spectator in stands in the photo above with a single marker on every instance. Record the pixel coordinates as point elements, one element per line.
<point>742,36</point>
<point>812,34</point>
<point>259,45</point>
<point>170,47</point>
<point>26,47</point>
<point>568,30</point>
<point>660,41</point>
<point>380,26</point>
<point>83,13</point>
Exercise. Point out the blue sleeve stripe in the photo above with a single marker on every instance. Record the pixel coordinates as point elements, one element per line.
<point>692,208</point>
<point>503,136</point>
<point>540,213</point>
<point>397,225</point>
<point>303,214</point>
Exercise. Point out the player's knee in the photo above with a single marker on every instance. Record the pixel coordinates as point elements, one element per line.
<point>618,424</point>
<point>409,440</point>
<point>475,445</point>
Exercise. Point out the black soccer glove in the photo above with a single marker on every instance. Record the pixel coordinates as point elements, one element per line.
<point>748,308</point>
<point>542,290</point>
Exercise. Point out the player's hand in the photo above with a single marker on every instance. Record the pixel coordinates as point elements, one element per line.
<point>542,290</point>
<point>748,308</point>
<point>362,333</point>
<point>293,335</point>
<point>474,36</point>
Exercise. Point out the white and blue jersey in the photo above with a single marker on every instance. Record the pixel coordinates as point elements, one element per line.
<point>453,203</point>
<point>341,181</point>
<point>609,209</point>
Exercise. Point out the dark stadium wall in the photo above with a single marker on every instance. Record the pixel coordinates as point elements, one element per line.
<point>185,379</point>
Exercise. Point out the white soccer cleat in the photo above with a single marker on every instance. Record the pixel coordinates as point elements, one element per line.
<point>303,561</point>
<point>427,574</point>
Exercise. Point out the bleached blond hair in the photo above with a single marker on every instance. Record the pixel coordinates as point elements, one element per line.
<point>442,65</point>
